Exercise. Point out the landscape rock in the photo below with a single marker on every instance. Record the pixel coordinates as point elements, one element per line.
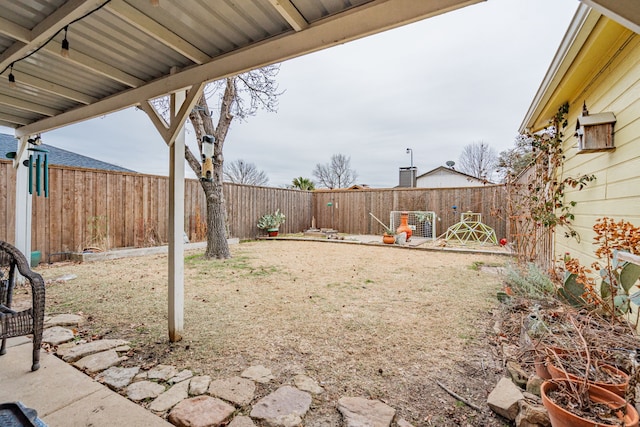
<point>242,421</point>
<point>518,375</point>
<point>117,377</point>
<point>200,411</point>
<point>533,385</point>
<point>306,383</point>
<point>122,349</point>
<point>199,385</point>
<point>531,415</point>
<point>63,320</point>
<point>360,412</point>
<point>284,407</point>
<point>140,376</point>
<point>236,390</point>
<point>56,335</point>
<point>99,361</point>
<point>144,390</point>
<point>504,398</point>
<point>404,423</point>
<point>171,397</point>
<point>401,238</point>
<point>182,375</point>
<point>71,354</point>
<point>258,373</point>
<point>162,372</point>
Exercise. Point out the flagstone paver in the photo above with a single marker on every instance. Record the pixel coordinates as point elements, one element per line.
<point>171,390</point>
<point>200,411</point>
<point>171,397</point>
<point>57,335</point>
<point>63,320</point>
<point>236,390</point>
<point>144,390</point>
<point>162,372</point>
<point>117,377</point>
<point>71,354</point>
<point>284,407</point>
<point>360,412</point>
<point>199,385</point>
<point>258,373</point>
<point>99,361</point>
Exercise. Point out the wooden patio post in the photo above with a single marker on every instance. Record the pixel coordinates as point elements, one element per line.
<point>23,199</point>
<point>176,226</point>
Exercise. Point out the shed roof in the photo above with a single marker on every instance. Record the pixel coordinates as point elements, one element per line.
<point>125,52</point>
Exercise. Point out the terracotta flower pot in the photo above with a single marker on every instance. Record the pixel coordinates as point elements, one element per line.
<point>560,417</point>
<point>273,232</point>
<point>388,239</point>
<point>618,387</point>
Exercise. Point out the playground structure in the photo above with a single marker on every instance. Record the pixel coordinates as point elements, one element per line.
<point>471,229</point>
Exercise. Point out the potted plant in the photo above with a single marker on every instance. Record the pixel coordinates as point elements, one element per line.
<point>573,403</point>
<point>271,222</point>
<point>389,236</point>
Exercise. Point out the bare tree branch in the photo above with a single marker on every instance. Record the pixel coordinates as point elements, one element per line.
<point>241,172</point>
<point>337,173</point>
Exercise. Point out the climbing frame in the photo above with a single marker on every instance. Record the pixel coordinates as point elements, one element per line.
<point>471,229</point>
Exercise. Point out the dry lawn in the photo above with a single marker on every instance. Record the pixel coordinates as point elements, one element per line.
<point>371,321</point>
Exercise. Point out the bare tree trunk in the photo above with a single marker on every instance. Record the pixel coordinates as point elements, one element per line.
<point>217,245</point>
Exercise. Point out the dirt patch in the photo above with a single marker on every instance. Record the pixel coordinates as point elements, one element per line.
<point>371,321</point>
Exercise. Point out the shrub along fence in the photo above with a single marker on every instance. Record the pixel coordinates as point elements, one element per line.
<point>105,209</point>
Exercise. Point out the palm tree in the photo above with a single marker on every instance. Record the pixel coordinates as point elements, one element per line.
<point>303,184</point>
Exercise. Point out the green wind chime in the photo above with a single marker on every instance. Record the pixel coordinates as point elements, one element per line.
<point>38,164</point>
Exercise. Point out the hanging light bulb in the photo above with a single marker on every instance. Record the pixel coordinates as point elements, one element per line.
<point>12,78</point>
<point>65,45</point>
<point>155,3</point>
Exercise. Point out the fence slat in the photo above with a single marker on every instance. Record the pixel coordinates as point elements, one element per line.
<point>134,208</point>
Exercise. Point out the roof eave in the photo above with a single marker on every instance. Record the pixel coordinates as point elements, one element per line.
<point>579,29</point>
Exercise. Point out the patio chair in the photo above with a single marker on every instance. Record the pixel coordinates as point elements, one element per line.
<point>27,321</point>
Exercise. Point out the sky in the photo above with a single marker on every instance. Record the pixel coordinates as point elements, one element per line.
<point>434,86</point>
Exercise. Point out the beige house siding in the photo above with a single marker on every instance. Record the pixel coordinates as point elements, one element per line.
<point>613,84</point>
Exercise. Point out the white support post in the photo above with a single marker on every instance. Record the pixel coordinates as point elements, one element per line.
<point>23,200</point>
<point>176,226</point>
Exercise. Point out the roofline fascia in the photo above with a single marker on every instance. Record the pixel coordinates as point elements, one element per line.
<point>613,15</point>
<point>582,23</point>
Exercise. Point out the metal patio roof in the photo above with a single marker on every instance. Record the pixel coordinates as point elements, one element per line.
<point>125,52</point>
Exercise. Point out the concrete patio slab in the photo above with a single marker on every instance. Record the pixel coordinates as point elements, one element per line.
<point>62,395</point>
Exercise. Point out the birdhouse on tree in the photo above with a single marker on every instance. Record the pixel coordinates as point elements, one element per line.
<point>595,131</point>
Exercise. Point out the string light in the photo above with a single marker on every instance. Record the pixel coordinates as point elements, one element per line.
<point>65,44</point>
<point>12,78</point>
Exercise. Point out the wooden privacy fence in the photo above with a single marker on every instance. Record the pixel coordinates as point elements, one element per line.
<point>532,241</point>
<point>105,209</point>
<point>348,210</point>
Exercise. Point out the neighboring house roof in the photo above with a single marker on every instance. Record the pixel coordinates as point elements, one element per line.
<point>60,157</point>
<point>441,169</point>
